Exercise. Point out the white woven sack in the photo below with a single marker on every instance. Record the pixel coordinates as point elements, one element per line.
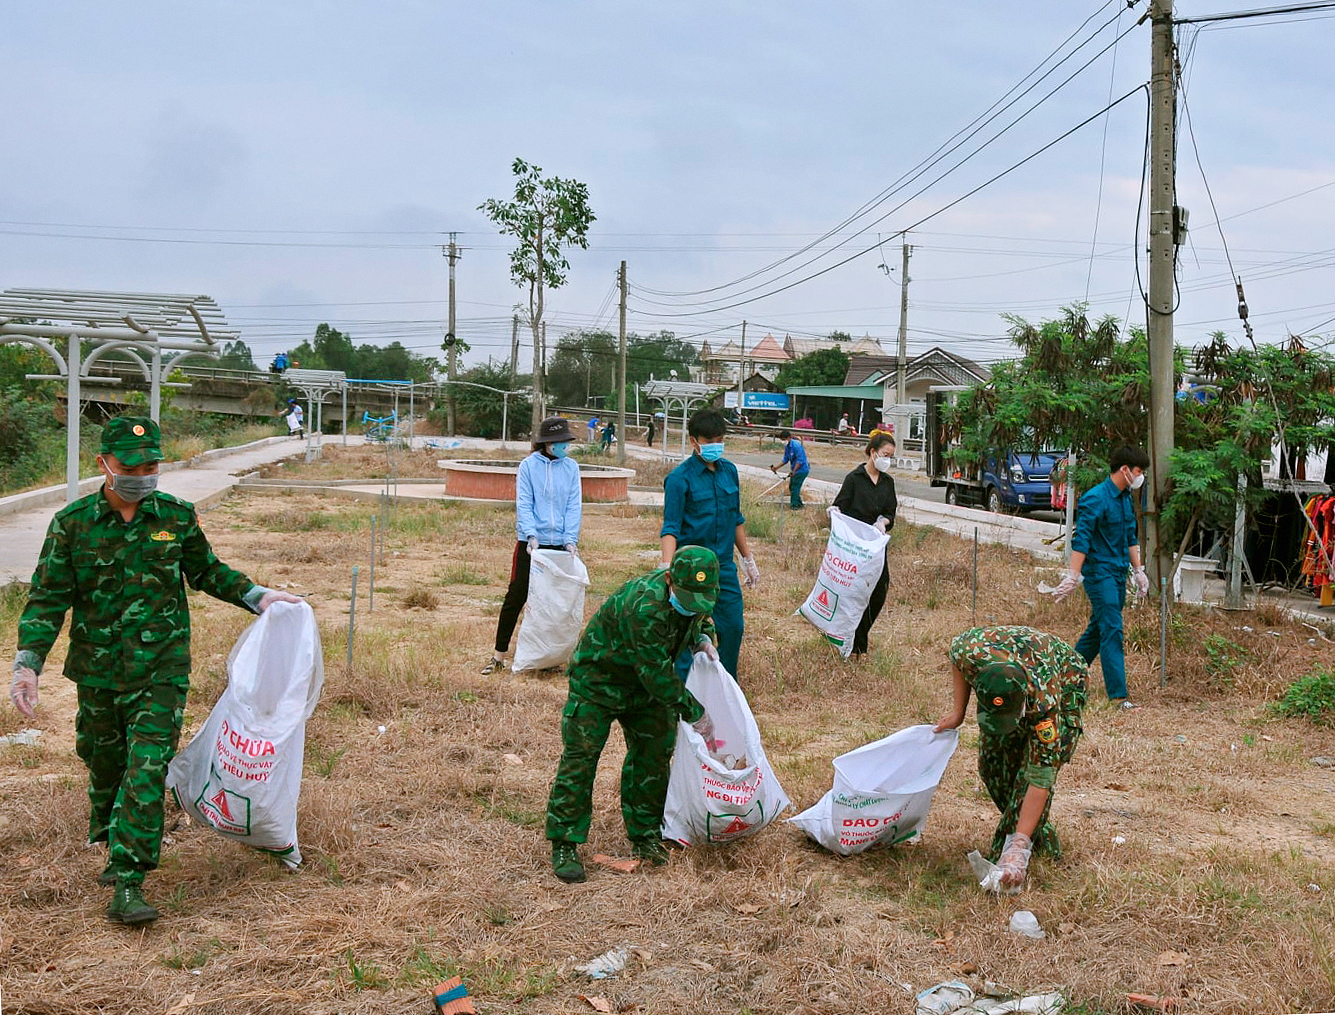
<point>554,614</point>
<point>733,792</point>
<point>852,564</point>
<point>882,791</point>
<point>241,774</point>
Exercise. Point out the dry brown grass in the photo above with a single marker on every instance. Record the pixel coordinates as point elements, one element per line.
<point>424,843</point>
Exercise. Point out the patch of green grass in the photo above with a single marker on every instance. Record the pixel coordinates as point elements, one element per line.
<point>194,959</point>
<point>1222,658</point>
<point>497,916</point>
<point>364,975</point>
<point>425,968</point>
<point>461,573</point>
<point>508,805</point>
<point>321,759</point>
<point>1312,697</point>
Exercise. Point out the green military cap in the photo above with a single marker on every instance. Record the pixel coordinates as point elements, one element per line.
<point>134,440</point>
<point>1000,690</point>
<point>694,572</point>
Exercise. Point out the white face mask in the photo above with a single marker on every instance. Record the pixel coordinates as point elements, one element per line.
<point>883,464</point>
<point>1135,482</point>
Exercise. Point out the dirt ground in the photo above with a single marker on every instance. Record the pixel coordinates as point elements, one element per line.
<point>1199,834</point>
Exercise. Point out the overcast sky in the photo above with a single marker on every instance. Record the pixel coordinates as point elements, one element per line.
<point>304,161</point>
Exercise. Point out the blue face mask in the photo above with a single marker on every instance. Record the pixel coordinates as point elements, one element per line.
<point>676,605</point>
<point>711,452</point>
<point>559,450</point>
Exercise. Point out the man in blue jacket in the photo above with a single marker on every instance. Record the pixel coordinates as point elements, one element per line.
<point>795,456</point>
<point>702,507</point>
<point>548,514</point>
<point>1105,544</point>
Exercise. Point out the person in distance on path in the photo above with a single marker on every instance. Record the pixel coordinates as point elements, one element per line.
<point>623,670</point>
<point>1031,690</point>
<point>794,456</point>
<point>1104,545</point>
<point>118,560</point>
<point>868,494</point>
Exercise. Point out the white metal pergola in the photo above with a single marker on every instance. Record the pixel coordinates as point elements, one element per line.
<point>140,326</point>
<point>317,386</point>
<point>677,394</point>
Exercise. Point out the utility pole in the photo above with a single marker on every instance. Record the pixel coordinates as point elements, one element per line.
<point>451,341</point>
<point>900,396</point>
<point>621,387</point>
<point>741,370</point>
<point>514,350</point>
<point>1159,302</point>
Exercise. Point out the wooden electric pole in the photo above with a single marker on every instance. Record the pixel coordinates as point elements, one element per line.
<point>1159,300</point>
<point>621,387</point>
<point>451,341</point>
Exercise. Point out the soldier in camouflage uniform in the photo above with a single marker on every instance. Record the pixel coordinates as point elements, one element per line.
<point>1031,691</point>
<point>118,560</point>
<point>623,670</point>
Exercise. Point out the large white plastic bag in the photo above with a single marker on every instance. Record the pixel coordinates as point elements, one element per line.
<point>733,792</point>
<point>882,791</point>
<point>241,774</point>
<point>853,561</point>
<point>554,614</point>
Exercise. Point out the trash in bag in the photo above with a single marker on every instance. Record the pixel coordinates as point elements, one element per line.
<point>852,565</point>
<point>882,791</point>
<point>554,614</point>
<point>732,792</point>
<point>241,774</point>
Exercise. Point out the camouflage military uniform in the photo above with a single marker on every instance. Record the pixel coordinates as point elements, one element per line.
<point>623,670</point>
<point>1049,731</point>
<point>129,651</point>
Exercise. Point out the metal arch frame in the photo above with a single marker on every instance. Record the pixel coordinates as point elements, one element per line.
<point>108,320</point>
<point>682,393</point>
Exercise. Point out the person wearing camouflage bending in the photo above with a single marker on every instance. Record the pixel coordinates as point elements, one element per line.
<point>1031,691</point>
<point>118,560</point>
<point>623,670</point>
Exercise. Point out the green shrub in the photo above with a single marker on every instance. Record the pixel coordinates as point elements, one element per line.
<point>1312,696</point>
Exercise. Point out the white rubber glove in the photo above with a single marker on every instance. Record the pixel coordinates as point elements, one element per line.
<point>881,524</point>
<point>1141,580</point>
<point>1014,862</point>
<point>707,647</point>
<point>532,544</point>
<point>705,727</point>
<point>23,690</point>
<point>751,572</point>
<point>1067,585</point>
<point>572,549</point>
<point>277,596</point>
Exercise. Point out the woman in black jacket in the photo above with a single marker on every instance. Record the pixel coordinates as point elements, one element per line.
<point>868,494</point>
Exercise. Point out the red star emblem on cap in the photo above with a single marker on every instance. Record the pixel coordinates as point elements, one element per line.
<point>137,430</point>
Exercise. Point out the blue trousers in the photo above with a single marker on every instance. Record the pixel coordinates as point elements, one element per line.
<point>795,482</point>
<point>1103,636</point>
<point>728,622</point>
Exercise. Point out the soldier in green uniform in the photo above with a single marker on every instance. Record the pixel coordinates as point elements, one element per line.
<point>118,561</point>
<point>1031,691</point>
<point>623,670</point>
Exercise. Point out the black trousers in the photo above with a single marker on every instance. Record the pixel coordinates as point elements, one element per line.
<point>872,612</point>
<point>517,595</point>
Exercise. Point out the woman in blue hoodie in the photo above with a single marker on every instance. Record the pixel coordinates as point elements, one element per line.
<point>548,512</point>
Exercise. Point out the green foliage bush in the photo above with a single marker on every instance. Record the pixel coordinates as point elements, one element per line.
<point>1312,696</point>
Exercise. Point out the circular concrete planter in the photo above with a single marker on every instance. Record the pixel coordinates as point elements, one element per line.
<point>490,480</point>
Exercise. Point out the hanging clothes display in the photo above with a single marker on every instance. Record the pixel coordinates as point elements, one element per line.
<point>1320,511</point>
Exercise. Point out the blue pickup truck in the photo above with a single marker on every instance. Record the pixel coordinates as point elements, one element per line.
<point>1016,481</point>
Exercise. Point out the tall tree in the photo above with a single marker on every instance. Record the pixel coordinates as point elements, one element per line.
<point>546,215</point>
<point>824,366</point>
<point>236,356</point>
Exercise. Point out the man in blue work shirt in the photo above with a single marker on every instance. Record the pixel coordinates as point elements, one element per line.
<point>797,475</point>
<point>1105,542</point>
<point>702,507</point>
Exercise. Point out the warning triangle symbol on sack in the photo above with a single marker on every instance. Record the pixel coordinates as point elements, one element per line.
<point>220,802</point>
<point>823,599</point>
<point>737,825</point>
